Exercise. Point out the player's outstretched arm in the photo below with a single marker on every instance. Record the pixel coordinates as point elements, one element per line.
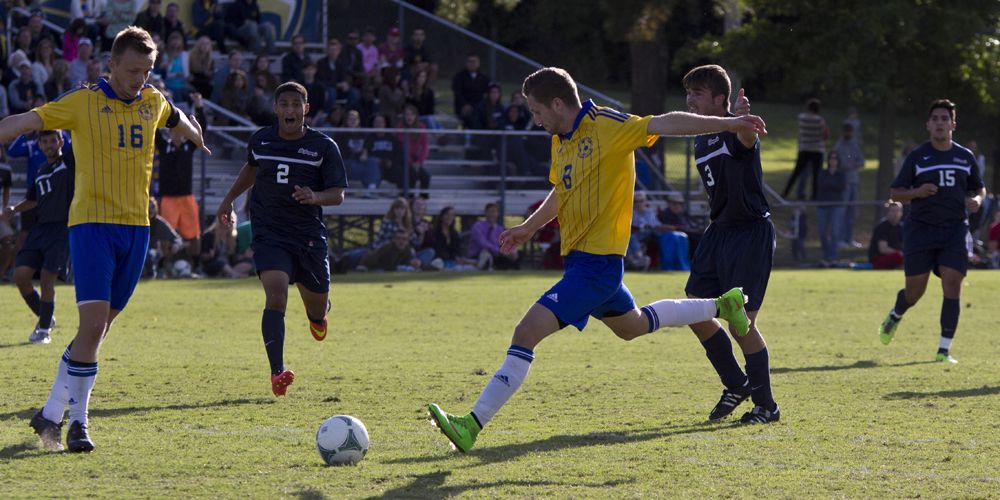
<point>243,182</point>
<point>329,196</point>
<point>512,239</point>
<point>15,125</point>
<point>191,129</point>
<point>23,206</point>
<point>679,123</point>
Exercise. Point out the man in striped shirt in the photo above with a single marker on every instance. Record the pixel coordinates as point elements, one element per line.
<point>812,145</point>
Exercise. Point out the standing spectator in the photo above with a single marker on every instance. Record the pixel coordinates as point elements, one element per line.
<point>447,242</point>
<point>201,65</point>
<point>390,52</point>
<point>385,148</point>
<point>76,31</point>
<point>236,96</point>
<point>369,53</point>
<point>812,136</point>
<point>208,18</point>
<point>175,66</point>
<point>484,243</point>
<point>178,205</point>
<point>151,19</point>
<point>831,185</point>
<point>886,248</point>
<point>77,71</point>
<point>22,92</point>
<point>244,16</point>
<point>58,83</point>
<point>416,147</point>
<point>852,160</point>
<point>391,95</point>
<point>854,120</point>
<point>172,23</point>
<point>469,87</point>
<point>360,165</point>
<point>233,62</point>
<point>294,60</point>
<point>417,58</point>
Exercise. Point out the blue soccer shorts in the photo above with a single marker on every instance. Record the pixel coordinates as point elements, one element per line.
<point>107,261</point>
<point>591,286</point>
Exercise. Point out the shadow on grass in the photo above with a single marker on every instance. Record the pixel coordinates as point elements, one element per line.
<point>560,442</point>
<point>956,393</point>
<point>129,410</point>
<point>432,486</point>
<point>861,364</point>
<point>16,451</point>
<point>309,494</point>
<point>15,344</point>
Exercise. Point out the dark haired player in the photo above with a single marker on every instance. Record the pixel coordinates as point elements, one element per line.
<point>293,170</point>
<point>941,181</point>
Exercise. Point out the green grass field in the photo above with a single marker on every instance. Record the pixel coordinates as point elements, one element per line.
<point>182,406</point>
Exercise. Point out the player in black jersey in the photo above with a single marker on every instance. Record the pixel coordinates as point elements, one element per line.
<point>47,244</point>
<point>293,170</point>
<point>941,181</point>
<point>737,249</point>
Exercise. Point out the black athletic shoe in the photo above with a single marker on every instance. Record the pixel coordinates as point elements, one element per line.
<point>77,439</point>
<point>758,415</point>
<point>728,402</point>
<point>48,431</point>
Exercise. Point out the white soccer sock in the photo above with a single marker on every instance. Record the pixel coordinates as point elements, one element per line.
<point>504,383</point>
<point>81,381</point>
<point>59,394</point>
<point>679,312</point>
<point>945,343</point>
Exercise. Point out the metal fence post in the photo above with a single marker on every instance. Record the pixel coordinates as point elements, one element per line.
<point>406,163</point>
<point>503,175</point>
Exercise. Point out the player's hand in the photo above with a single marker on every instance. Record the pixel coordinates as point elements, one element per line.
<point>196,99</point>
<point>748,123</point>
<point>7,213</point>
<point>226,215</point>
<point>305,195</point>
<point>925,190</point>
<point>742,105</point>
<point>973,203</point>
<point>512,239</point>
<point>200,139</point>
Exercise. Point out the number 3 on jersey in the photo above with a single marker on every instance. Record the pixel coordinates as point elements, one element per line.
<point>282,173</point>
<point>709,180</point>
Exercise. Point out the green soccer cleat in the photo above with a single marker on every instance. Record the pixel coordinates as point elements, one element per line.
<point>732,308</point>
<point>945,357</point>
<point>460,430</point>
<point>888,329</point>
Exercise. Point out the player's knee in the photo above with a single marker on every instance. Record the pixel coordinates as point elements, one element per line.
<point>627,333</point>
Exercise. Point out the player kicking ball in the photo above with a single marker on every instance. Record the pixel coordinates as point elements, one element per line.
<point>593,174</point>
<point>47,244</point>
<point>293,170</point>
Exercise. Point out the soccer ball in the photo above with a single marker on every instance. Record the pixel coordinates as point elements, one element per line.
<point>342,440</point>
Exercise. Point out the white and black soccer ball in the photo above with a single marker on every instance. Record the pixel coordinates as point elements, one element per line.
<point>181,269</point>
<point>342,440</point>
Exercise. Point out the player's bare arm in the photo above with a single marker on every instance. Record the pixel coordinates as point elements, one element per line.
<point>512,239</point>
<point>975,201</point>
<point>23,206</point>
<point>243,182</point>
<point>742,108</point>
<point>329,196</point>
<point>904,195</point>
<point>189,128</point>
<point>679,124</point>
<point>15,125</point>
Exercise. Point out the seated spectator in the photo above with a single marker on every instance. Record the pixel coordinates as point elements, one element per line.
<point>993,242</point>
<point>390,52</point>
<point>164,242</point>
<point>234,61</point>
<point>398,217</point>
<point>36,26</point>
<point>797,231</point>
<point>22,42</point>
<point>420,239</point>
<point>219,258</point>
<point>421,96</point>
<point>391,94</point>
<point>235,97</point>
<point>261,106</point>
<point>317,95</point>
<point>649,235</point>
<point>77,71</point>
<point>369,53</point>
<point>353,147</point>
<point>337,117</point>
<point>248,29</point>
<point>885,251</point>
<point>76,31</point>
<point>351,58</point>
<point>334,73</point>
<point>417,58</point>
<point>446,241</point>
<point>368,104</point>
<point>519,159</point>
<point>172,23</point>
<point>262,68</point>
<point>490,111</point>
<point>394,255</point>
<point>675,218</point>
<point>94,69</point>
<point>417,149</point>
<point>385,148</point>
<point>548,240</point>
<point>208,18</point>
<point>23,91</point>
<point>484,243</point>
<point>294,60</point>
<point>58,83</point>
<point>45,56</point>
<point>4,107</point>
<point>201,65</point>
<point>469,88</point>
<point>151,19</point>
<point>831,183</point>
<point>175,66</point>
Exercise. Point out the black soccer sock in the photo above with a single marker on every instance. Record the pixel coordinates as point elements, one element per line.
<point>719,350</point>
<point>901,305</point>
<point>759,374</point>
<point>45,310</point>
<point>950,309</point>
<point>272,325</point>
<point>32,299</point>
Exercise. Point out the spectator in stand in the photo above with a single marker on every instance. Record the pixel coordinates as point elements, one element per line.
<point>77,71</point>
<point>675,218</point>
<point>369,53</point>
<point>58,83</point>
<point>209,19</point>
<point>852,160</point>
<point>294,60</point>
<point>317,92</point>
<point>397,218</point>
<point>420,239</point>
<point>219,258</point>
<point>416,146</point>
<point>421,96</point>
<point>172,23</point>
<point>855,121</point>
<point>175,67</point>
<point>417,58</point>
<point>885,251</point>
<point>178,205</point>
<point>233,62</point>
<point>201,65</point>
<point>94,70</point>
<point>831,185</point>
<point>244,16</point>
<point>45,56</point>
<point>262,100</point>
<point>360,165</point>
<point>37,28</point>
<point>4,45</point>
<point>484,243</point>
<point>262,66</point>
<point>351,58</point>
<point>115,16</point>
<point>490,111</point>
<point>447,243</point>
<point>385,148</point>
<point>235,97</point>
<point>4,106</point>
<point>76,31</point>
<point>391,94</point>
<point>22,92</point>
<point>993,242</point>
<point>395,255</point>
<point>151,19</point>
<point>337,117</point>
<point>368,104</point>
<point>813,133</point>
<point>333,72</point>
<point>164,242</point>
<point>390,52</point>
<point>22,42</point>
<point>469,87</point>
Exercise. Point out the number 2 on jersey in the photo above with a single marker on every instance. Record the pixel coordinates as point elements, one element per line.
<point>282,173</point>
<point>709,180</point>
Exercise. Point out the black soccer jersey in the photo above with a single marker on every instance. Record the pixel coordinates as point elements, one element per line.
<point>176,165</point>
<point>5,177</point>
<point>955,173</point>
<point>53,191</point>
<point>733,179</point>
<point>312,161</point>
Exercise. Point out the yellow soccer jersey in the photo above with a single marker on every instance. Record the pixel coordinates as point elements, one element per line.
<point>593,171</point>
<point>113,142</point>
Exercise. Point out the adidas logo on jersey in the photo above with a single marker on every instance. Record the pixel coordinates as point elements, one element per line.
<point>554,297</point>
<point>106,109</point>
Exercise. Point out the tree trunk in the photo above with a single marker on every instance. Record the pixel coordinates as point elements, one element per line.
<point>886,154</point>
<point>649,75</point>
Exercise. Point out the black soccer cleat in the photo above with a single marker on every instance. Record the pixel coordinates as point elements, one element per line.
<point>728,402</point>
<point>77,439</point>
<point>758,415</point>
<point>48,431</point>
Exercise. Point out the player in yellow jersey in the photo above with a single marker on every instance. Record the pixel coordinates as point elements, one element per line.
<point>113,125</point>
<point>593,174</point>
